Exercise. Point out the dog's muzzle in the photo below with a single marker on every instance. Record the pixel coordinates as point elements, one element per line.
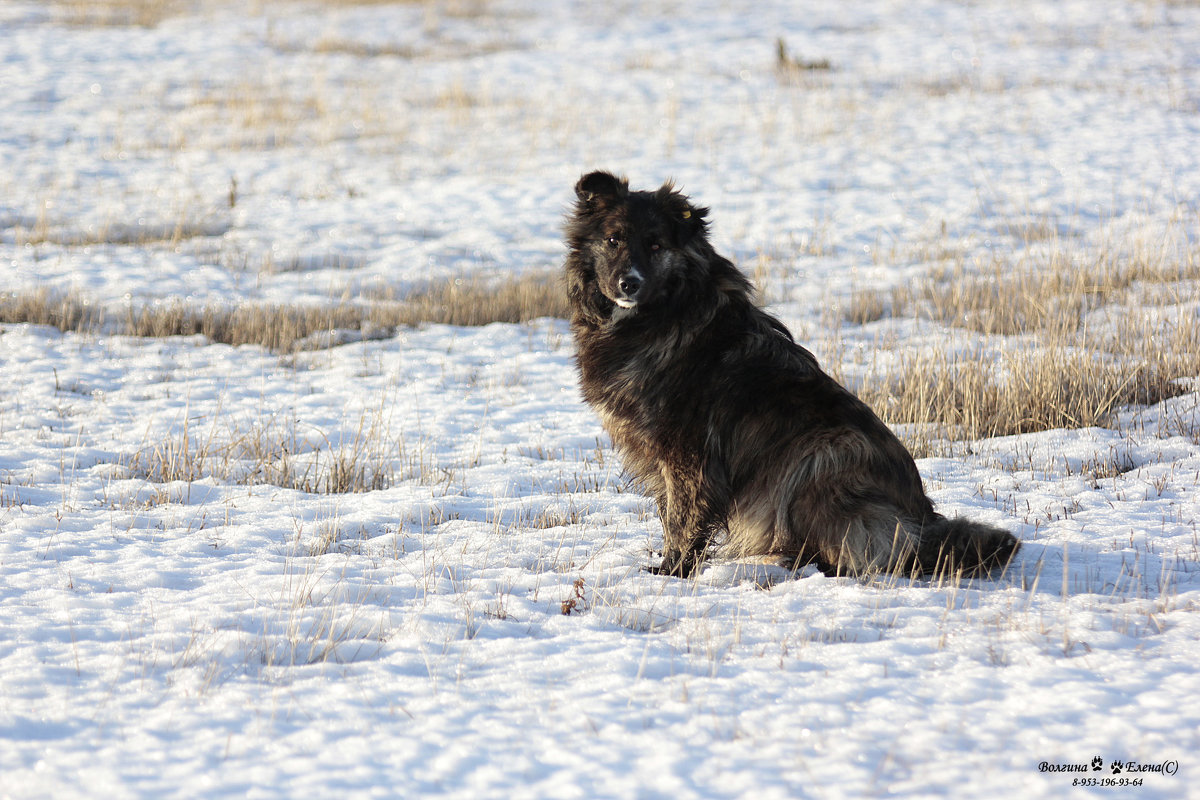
<point>628,286</point>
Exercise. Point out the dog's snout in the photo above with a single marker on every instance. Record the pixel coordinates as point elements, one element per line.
<point>625,293</point>
<point>630,283</point>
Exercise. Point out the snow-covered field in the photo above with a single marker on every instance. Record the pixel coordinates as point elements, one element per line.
<point>188,610</point>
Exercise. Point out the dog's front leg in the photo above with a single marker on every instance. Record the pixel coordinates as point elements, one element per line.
<point>684,537</point>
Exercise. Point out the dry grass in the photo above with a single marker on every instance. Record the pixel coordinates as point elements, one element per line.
<point>266,111</point>
<point>289,328</point>
<point>271,452</point>
<point>144,13</point>
<point>170,234</point>
<point>1047,292</point>
<point>149,13</point>
<point>1071,337</point>
<point>1026,390</point>
<point>1066,335</point>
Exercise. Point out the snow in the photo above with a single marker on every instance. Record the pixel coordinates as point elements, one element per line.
<point>185,611</point>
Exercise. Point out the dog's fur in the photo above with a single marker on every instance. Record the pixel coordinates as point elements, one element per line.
<point>730,424</point>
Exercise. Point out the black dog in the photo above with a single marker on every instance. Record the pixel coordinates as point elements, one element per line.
<point>730,423</point>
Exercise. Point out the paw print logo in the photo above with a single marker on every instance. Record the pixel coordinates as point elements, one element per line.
<point>1097,763</point>
<point>1117,766</point>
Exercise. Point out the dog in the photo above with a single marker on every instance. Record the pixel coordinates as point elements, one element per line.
<point>741,438</point>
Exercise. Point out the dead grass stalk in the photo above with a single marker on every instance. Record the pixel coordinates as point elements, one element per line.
<point>469,302</point>
<point>1069,338</point>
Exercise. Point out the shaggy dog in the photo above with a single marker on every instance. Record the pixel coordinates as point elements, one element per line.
<point>730,424</point>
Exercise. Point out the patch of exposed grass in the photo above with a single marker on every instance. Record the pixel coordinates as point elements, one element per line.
<point>143,13</point>
<point>956,397</point>
<point>285,329</point>
<point>266,111</point>
<point>149,13</point>
<point>1073,336</point>
<point>1069,336</point>
<point>432,46</point>
<point>471,301</point>
<point>169,234</point>
<point>271,451</point>
<point>1049,283</point>
<point>1045,293</point>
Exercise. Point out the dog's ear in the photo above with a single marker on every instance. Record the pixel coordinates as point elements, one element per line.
<point>601,188</point>
<point>688,219</point>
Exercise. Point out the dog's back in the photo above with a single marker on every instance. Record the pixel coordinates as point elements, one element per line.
<point>731,425</point>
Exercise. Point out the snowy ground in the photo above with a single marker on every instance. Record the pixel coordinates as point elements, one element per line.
<point>185,610</point>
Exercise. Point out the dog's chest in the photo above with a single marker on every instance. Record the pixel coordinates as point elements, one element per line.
<point>647,402</point>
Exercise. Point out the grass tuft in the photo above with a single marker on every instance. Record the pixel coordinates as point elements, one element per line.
<point>124,13</point>
<point>1070,337</point>
<point>285,329</point>
<point>150,13</point>
<point>1065,336</point>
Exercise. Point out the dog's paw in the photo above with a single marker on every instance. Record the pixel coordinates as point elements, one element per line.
<point>677,565</point>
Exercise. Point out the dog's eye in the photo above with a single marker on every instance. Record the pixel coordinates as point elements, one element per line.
<point>655,247</point>
<point>613,242</point>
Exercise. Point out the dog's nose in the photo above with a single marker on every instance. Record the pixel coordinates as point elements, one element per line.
<point>629,284</point>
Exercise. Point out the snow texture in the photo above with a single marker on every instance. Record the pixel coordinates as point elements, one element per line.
<point>186,610</point>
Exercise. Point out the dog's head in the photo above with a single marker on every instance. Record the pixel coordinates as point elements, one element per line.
<point>628,248</point>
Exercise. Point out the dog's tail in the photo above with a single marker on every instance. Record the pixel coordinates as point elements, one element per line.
<point>952,546</point>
